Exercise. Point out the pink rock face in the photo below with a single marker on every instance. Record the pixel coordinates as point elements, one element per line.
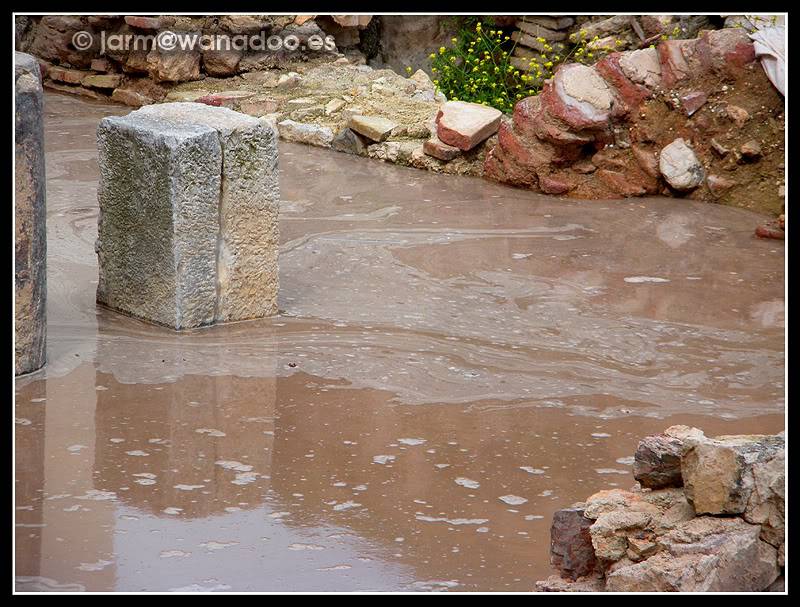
<point>465,125</point>
<point>145,23</point>
<point>224,99</point>
<point>437,149</point>
<point>579,97</point>
<point>630,94</point>
<point>730,46</point>
<point>674,65</point>
<point>553,185</point>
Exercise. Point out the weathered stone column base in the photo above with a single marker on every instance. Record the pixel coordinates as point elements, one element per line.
<point>188,226</point>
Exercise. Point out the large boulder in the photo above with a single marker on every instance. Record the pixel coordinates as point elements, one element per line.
<point>30,234</point>
<point>188,225</point>
<point>464,125</point>
<point>718,473</point>
<point>657,462</point>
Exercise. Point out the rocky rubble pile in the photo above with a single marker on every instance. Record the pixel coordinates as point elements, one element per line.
<point>696,118</point>
<point>707,515</point>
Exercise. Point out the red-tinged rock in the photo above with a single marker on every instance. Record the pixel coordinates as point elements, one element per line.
<point>737,114</point>
<point>464,125</point>
<point>571,551</point>
<point>139,92</point>
<point>771,230</point>
<point>578,96</point>
<point>174,66</point>
<point>553,185</point>
<point>691,102</point>
<point>718,185</point>
<point>750,150</point>
<point>142,22</point>
<point>67,76</point>
<point>221,63</point>
<point>437,149</point>
<point>258,107</point>
<point>102,65</point>
<point>674,65</point>
<point>729,47</point>
<point>630,94</point>
<point>224,98</point>
<point>524,112</point>
<point>530,120</point>
<point>584,167</point>
<point>499,167</point>
<point>621,183</point>
<point>642,67</point>
<point>647,160</point>
<point>528,153</point>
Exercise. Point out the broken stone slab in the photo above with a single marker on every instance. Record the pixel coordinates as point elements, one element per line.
<point>438,149</point>
<point>680,167</point>
<point>30,234</point>
<point>306,132</point>
<point>375,128</point>
<point>642,67</point>
<point>188,225</point>
<point>464,125</point>
<point>65,75</point>
<point>718,473</point>
<point>571,551</point>
<point>102,81</point>
<point>705,554</point>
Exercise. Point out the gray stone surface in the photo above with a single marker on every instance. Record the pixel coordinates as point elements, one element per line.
<point>188,227</point>
<point>680,167</point>
<point>30,236</point>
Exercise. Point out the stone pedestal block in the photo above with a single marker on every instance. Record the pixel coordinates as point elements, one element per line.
<point>188,226</point>
<point>30,235</point>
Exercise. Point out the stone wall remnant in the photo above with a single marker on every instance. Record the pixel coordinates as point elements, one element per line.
<point>30,234</point>
<point>188,225</point>
<point>627,115</point>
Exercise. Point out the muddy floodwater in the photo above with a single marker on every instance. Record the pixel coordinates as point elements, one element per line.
<point>454,360</point>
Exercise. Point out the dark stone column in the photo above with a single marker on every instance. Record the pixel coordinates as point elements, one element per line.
<point>30,236</point>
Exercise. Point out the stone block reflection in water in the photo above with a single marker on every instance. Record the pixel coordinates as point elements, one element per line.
<point>30,245</point>
<point>188,226</point>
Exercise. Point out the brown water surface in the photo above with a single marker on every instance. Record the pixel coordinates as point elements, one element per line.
<point>443,343</point>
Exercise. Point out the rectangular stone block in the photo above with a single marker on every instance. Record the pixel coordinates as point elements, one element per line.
<point>188,227</point>
<point>30,234</point>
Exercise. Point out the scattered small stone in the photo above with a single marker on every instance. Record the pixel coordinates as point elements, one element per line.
<point>750,150</point>
<point>737,114</point>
